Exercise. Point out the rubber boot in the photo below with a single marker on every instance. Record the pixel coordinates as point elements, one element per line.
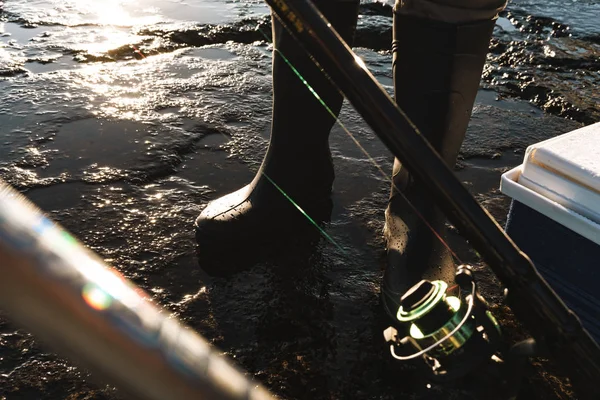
<point>297,167</point>
<point>437,69</point>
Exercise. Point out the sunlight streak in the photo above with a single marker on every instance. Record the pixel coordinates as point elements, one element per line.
<point>114,20</point>
<point>111,12</point>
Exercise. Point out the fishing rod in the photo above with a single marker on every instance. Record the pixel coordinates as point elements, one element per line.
<point>556,329</point>
<point>51,284</point>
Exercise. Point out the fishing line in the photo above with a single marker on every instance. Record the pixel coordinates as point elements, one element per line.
<point>312,221</point>
<point>387,177</point>
<point>137,51</point>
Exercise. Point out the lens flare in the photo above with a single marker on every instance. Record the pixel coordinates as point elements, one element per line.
<point>95,297</point>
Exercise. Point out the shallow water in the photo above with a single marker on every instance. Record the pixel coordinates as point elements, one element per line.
<point>123,120</point>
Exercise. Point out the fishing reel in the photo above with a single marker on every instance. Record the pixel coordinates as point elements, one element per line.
<point>451,333</point>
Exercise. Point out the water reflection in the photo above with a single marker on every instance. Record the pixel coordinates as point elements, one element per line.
<point>129,13</point>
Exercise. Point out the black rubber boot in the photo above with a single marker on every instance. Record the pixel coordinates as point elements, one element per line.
<point>437,70</point>
<point>298,160</point>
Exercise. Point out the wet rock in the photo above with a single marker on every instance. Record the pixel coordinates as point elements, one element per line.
<point>26,179</point>
<point>494,130</point>
<point>374,32</point>
<point>9,67</point>
<point>12,71</point>
<point>376,8</point>
<point>245,31</point>
<point>545,73</point>
<point>544,25</point>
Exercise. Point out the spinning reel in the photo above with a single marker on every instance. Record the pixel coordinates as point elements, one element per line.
<point>451,334</point>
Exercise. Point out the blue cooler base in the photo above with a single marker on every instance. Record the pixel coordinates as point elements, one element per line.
<point>569,262</point>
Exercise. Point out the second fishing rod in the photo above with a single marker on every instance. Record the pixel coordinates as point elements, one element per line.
<point>557,329</point>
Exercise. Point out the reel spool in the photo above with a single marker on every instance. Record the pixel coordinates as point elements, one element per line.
<point>452,335</point>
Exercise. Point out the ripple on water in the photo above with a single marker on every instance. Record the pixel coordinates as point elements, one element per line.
<point>580,15</point>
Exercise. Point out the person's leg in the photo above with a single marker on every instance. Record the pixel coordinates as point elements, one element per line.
<point>439,49</point>
<point>298,159</point>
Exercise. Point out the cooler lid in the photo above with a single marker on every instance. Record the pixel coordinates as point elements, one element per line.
<point>566,169</point>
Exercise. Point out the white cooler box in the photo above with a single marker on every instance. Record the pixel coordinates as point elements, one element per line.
<point>555,217</point>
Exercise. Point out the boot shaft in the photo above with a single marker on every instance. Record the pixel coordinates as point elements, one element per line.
<point>295,106</point>
<point>298,154</point>
<point>437,69</point>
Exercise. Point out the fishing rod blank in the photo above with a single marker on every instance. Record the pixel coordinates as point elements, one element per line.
<point>65,294</point>
<point>555,328</point>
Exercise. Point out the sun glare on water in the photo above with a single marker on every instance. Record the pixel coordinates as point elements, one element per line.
<point>108,12</point>
<point>115,20</point>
